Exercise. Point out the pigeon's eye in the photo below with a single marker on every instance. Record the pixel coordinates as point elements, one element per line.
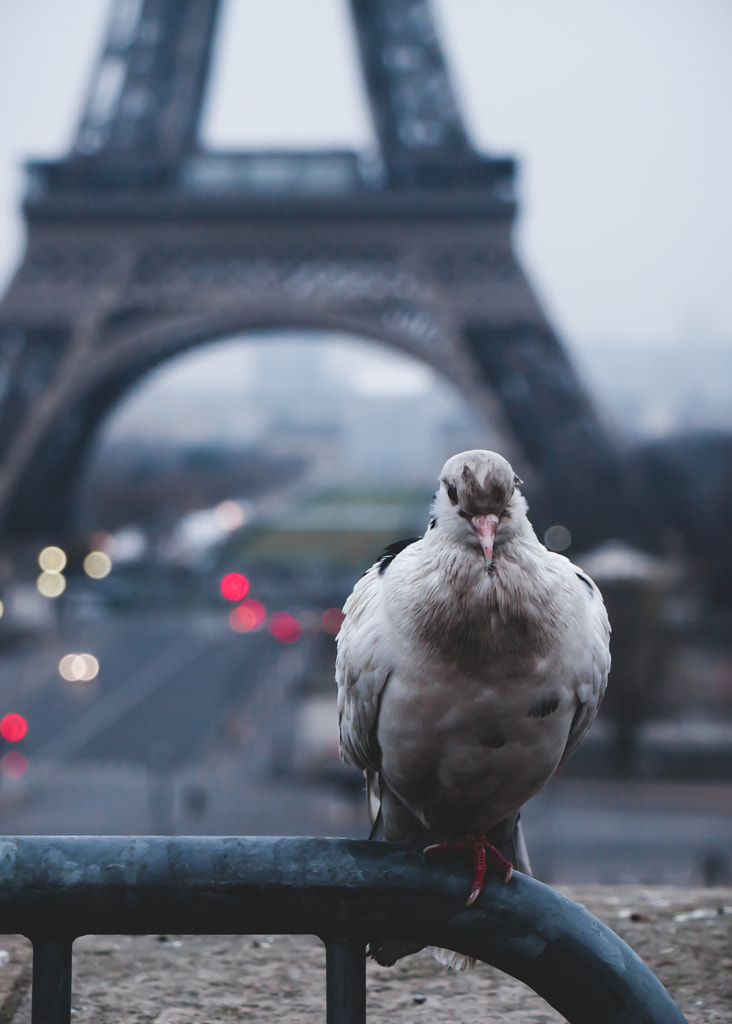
<point>452,493</point>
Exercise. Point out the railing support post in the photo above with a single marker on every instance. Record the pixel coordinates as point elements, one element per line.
<point>51,990</point>
<point>345,980</point>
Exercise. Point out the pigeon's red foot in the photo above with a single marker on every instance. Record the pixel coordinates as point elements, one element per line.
<point>477,842</point>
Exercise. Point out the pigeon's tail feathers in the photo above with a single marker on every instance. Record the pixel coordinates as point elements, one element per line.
<point>387,951</point>
<point>453,961</point>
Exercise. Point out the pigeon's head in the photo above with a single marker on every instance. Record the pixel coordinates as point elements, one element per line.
<point>477,499</point>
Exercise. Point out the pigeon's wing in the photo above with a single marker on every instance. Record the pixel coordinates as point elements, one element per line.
<point>362,672</point>
<point>591,662</point>
<point>364,664</point>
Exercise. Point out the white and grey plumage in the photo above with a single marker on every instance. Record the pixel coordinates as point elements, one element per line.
<point>470,664</point>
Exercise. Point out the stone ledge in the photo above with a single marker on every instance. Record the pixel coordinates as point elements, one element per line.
<point>685,935</point>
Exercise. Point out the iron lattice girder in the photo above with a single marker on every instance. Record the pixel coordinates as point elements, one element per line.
<point>146,92</point>
<point>53,889</point>
<point>415,113</point>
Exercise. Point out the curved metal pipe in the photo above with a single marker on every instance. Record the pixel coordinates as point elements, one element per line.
<point>70,886</point>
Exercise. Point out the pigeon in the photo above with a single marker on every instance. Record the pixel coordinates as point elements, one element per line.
<point>470,664</point>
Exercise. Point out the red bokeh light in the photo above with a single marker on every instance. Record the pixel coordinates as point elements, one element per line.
<point>331,620</point>
<point>234,586</point>
<point>13,764</point>
<point>284,627</point>
<point>13,727</point>
<point>247,616</point>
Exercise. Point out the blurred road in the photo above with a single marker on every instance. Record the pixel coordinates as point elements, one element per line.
<point>164,686</point>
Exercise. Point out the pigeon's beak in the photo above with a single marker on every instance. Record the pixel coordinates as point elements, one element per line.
<point>485,528</point>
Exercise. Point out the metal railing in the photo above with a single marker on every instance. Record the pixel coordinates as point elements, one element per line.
<point>54,889</point>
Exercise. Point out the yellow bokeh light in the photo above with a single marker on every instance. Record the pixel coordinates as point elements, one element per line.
<point>52,559</point>
<point>51,584</point>
<point>97,564</point>
<point>78,668</point>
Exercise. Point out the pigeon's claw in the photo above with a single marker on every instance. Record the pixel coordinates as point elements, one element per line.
<point>461,844</point>
<point>478,873</point>
<point>477,842</point>
<point>502,866</point>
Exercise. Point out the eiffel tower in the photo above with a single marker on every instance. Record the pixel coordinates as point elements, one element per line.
<point>141,245</point>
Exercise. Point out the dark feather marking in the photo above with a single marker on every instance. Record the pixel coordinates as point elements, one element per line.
<point>587,583</point>
<point>389,553</point>
<point>433,523</point>
<point>494,739</point>
<point>544,707</point>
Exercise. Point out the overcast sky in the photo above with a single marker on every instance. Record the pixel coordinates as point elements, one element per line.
<point>619,111</point>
